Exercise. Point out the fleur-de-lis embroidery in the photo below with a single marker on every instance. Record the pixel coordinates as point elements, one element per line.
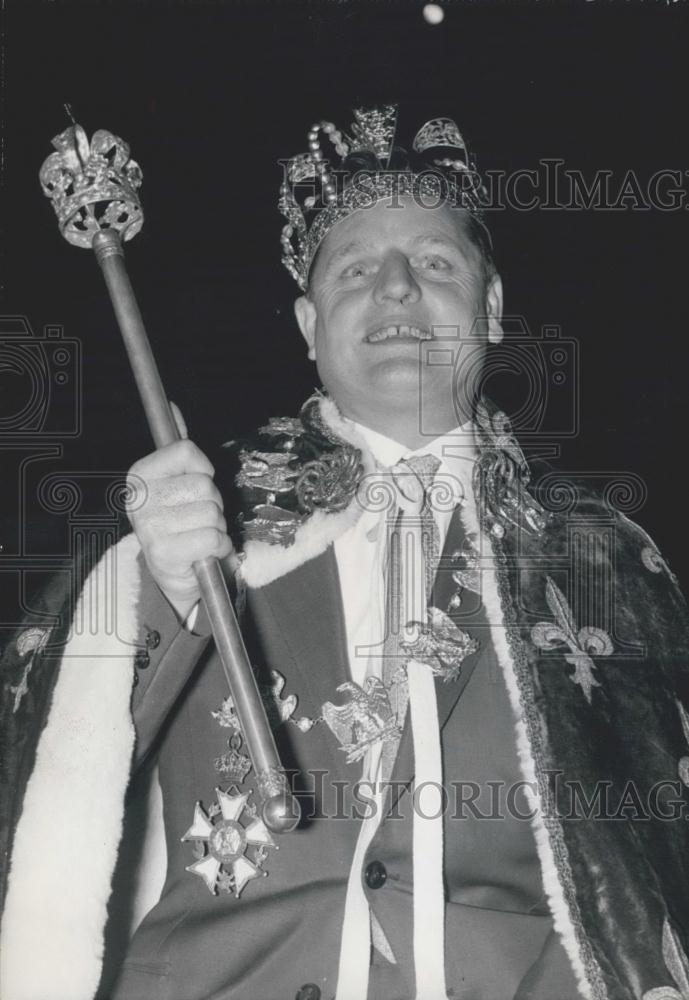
<point>677,965</point>
<point>652,560</point>
<point>583,643</point>
<point>32,641</point>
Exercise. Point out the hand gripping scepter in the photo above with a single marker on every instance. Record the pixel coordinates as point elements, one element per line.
<point>93,190</point>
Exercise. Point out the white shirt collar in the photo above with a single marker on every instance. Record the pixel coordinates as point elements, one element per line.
<point>456,450</point>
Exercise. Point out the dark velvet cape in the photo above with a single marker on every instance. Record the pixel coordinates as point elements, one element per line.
<point>596,635</point>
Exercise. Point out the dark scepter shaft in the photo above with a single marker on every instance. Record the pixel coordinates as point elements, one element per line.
<point>281,811</point>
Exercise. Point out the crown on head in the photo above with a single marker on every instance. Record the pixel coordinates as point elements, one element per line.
<point>319,191</point>
<point>92,185</point>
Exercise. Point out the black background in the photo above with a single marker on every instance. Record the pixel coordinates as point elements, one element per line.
<point>209,96</point>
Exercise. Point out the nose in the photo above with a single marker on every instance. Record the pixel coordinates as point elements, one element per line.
<point>396,282</point>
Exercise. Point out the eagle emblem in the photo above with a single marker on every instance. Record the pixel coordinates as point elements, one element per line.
<point>441,645</point>
<point>364,719</point>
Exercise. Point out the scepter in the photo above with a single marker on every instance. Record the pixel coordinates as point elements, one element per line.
<point>93,187</point>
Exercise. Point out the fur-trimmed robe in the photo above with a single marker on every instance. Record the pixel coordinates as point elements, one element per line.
<point>591,632</point>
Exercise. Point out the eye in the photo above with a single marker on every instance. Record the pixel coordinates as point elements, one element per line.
<point>434,263</point>
<point>359,269</point>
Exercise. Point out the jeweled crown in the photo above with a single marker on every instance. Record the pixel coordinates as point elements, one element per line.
<point>364,166</point>
<point>92,185</point>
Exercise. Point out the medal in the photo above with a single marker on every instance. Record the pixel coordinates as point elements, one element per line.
<point>232,853</point>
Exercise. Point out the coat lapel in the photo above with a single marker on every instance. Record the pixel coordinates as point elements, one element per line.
<point>306,608</point>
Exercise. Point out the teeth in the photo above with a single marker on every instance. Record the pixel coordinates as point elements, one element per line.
<point>388,332</point>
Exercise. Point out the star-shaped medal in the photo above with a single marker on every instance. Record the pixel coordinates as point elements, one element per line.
<point>226,865</point>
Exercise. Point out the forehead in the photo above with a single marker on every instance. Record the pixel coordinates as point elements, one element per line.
<point>402,223</point>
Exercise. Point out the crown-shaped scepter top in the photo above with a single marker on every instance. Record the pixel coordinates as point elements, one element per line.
<point>92,185</point>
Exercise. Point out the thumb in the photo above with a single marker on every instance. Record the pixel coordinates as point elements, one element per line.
<point>179,420</point>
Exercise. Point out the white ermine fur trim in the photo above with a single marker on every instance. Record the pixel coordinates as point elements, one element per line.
<point>265,562</point>
<point>68,834</point>
<point>562,920</point>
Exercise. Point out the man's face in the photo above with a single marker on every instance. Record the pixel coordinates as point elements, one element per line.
<point>395,293</point>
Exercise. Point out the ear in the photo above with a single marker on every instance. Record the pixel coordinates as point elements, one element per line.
<point>494,309</point>
<point>306,314</point>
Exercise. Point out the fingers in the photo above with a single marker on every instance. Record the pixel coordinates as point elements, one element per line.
<point>175,562</point>
<point>179,420</point>
<point>172,492</point>
<point>176,511</point>
<point>173,460</point>
<point>185,517</point>
<point>177,474</point>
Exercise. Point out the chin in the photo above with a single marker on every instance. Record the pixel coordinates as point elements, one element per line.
<point>396,371</point>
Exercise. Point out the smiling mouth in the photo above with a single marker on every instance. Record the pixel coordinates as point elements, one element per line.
<point>398,332</point>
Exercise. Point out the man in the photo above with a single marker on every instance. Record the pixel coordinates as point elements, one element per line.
<point>410,609</point>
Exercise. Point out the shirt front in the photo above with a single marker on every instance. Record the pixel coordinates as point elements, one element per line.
<point>362,555</point>
<point>504,944</point>
<point>361,551</point>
